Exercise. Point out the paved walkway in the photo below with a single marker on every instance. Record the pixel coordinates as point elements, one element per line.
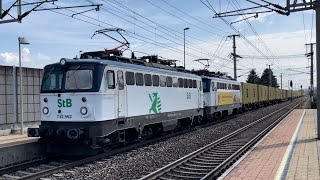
<point>304,163</point>
<point>15,139</point>
<point>266,160</point>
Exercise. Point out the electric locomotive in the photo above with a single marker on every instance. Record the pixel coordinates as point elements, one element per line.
<point>101,101</point>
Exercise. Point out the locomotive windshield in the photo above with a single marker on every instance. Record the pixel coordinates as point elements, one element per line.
<point>78,79</point>
<point>52,80</point>
<point>72,78</point>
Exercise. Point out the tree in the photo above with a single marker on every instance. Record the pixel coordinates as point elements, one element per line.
<point>253,77</point>
<point>264,80</point>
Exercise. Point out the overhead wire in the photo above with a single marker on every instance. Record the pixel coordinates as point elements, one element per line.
<point>196,19</point>
<point>241,35</point>
<point>141,38</point>
<point>194,25</point>
<point>164,37</point>
<point>258,36</point>
<point>168,34</point>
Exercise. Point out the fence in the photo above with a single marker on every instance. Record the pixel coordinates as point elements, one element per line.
<point>10,112</point>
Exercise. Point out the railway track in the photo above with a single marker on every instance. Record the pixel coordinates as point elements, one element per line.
<point>212,160</point>
<point>51,165</point>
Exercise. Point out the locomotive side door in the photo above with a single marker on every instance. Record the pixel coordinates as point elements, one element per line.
<point>214,96</point>
<point>200,95</point>
<point>121,94</point>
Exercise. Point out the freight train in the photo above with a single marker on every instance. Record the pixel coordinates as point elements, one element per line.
<point>98,101</point>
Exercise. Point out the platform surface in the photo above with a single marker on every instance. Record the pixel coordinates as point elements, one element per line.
<point>289,151</point>
<point>15,139</point>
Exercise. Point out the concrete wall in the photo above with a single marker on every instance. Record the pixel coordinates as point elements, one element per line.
<point>10,113</point>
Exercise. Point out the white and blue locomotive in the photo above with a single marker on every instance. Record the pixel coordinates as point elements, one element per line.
<point>100,101</point>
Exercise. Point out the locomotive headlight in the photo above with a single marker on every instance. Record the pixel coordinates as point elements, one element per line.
<point>45,111</point>
<point>63,61</point>
<point>83,110</point>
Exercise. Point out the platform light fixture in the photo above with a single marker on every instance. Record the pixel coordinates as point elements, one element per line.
<point>24,41</point>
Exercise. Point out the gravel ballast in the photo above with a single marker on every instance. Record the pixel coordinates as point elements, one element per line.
<point>137,163</point>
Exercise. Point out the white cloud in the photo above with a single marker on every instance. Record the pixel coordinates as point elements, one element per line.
<point>10,58</point>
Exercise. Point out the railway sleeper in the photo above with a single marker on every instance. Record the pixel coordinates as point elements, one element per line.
<point>191,172</point>
<point>219,152</point>
<point>193,169</point>
<point>34,169</point>
<point>228,146</point>
<point>204,163</point>
<point>235,142</point>
<point>221,156</point>
<point>198,166</point>
<point>174,176</point>
<point>46,166</point>
<point>211,157</point>
<point>164,178</point>
<point>23,173</point>
<point>204,159</point>
<point>10,176</point>
<point>227,150</point>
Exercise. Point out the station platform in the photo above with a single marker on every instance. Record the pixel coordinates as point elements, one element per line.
<point>290,151</point>
<point>15,139</point>
<point>19,148</point>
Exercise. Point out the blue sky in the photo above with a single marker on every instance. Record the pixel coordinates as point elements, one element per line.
<point>53,36</point>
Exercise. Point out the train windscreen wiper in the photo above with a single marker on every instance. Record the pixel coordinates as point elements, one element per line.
<point>74,72</point>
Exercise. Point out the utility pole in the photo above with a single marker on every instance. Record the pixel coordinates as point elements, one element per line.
<point>317,9</point>
<point>311,69</point>
<point>234,54</point>
<point>281,80</point>
<point>270,77</point>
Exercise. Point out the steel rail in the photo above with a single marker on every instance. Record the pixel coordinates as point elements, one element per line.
<point>160,172</point>
<point>219,169</point>
<point>55,169</point>
<point>49,171</point>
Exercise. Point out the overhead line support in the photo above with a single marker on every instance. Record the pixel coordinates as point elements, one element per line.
<point>311,70</point>
<point>234,54</point>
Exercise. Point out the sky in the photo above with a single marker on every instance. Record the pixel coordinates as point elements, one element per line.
<point>156,27</point>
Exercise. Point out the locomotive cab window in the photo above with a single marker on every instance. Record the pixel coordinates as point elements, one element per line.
<point>206,85</point>
<point>212,86</point>
<point>190,83</point>
<point>139,79</point>
<point>52,80</point>
<point>175,82</point>
<point>180,81</point>
<point>147,80</point>
<point>155,80</point>
<point>194,83</point>
<point>129,78</point>
<point>120,80</point>
<point>110,79</point>
<point>78,79</point>
<point>185,83</point>
<point>163,82</point>
<point>169,81</point>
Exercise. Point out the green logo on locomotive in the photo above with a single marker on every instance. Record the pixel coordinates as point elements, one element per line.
<point>156,103</point>
<point>64,103</point>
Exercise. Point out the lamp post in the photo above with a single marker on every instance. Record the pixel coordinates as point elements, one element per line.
<point>21,40</point>
<point>184,47</point>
